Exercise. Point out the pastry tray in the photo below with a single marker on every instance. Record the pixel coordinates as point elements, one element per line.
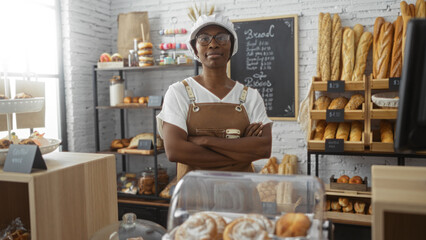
<point>52,146</point>
<point>24,105</point>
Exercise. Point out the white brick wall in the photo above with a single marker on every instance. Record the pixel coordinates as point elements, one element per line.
<point>90,28</point>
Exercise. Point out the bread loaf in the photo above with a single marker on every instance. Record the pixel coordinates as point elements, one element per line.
<point>359,207</point>
<point>396,61</point>
<point>356,131</point>
<point>348,208</point>
<point>384,50</point>
<point>319,130</point>
<point>271,167</point>
<point>243,228</point>
<point>338,103</point>
<point>348,54</point>
<point>326,47</point>
<point>386,133</point>
<point>322,103</point>
<point>343,131</point>
<point>355,102</point>
<point>406,16</point>
<point>335,206</point>
<point>336,47</point>
<point>377,25</point>
<point>330,130</point>
<point>412,10</point>
<point>358,30</point>
<point>292,225</point>
<point>361,56</point>
<point>420,9</point>
<point>320,16</point>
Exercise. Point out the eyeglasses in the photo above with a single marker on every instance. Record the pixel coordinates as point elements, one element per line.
<point>221,38</point>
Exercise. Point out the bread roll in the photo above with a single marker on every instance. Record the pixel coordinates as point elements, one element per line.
<point>244,228</point>
<point>319,130</point>
<point>320,16</point>
<point>343,179</point>
<point>197,226</point>
<point>292,225</point>
<point>356,131</point>
<point>377,25</point>
<point>330,130</point>
<point>343,130</point>
<point>384,50</point>
<point>420,9</point>
<point>336,47</point>
<point>396,61</point>
<point>355,102</point>
<point>348,208</point>
<point>326,47</point>
<point>348,54</point>
<point>335,206</point>
<point>359,207</point>
<point>338,103</point>
<point>361,56</point>
<point>386,133</point>
<point>358,31</point>
<point>343,201</point>
<point>322,103</point>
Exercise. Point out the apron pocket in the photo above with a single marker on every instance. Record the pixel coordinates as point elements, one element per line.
<point>214,132</point>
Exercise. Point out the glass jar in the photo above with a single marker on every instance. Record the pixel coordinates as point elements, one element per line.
<point>116,90</point>
<point>146,183</point>
<point>163,178</point>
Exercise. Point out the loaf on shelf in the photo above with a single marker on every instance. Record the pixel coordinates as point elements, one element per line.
<point>343,131</point>
<point>322,103</point>
<point>386,133</point>
<point>338,103</point>
<point>355,102</point>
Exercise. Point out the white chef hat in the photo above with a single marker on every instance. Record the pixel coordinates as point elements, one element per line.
<point>215,19</point>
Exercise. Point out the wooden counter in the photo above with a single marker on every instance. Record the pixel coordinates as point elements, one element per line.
<point>399,202</point>
<point>73,199</point>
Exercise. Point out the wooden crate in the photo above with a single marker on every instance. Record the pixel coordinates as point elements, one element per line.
<point>348,186</point>
<point>320,144</point>
<point>319,85</point>
<point>377,146</point>
<point>349,218</point>
<point>380,113</point>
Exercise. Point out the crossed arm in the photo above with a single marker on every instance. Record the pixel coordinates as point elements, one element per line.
<point>206,151</point>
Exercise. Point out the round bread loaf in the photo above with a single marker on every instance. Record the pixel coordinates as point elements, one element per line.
<point>292,225</point>
<point>197,226</point>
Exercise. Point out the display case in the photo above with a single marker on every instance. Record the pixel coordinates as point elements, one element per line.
<point>230,198</point>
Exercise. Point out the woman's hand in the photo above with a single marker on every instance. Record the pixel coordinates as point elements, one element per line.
<point>254,130</point>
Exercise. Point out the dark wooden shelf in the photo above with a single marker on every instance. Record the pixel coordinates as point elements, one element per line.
<point>143,199</point>
<point>156,67</point>
<point>128,106</point>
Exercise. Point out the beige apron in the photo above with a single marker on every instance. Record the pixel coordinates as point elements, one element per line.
<point>225,120</point>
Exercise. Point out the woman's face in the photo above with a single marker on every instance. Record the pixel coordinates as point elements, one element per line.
<point>217,52</point>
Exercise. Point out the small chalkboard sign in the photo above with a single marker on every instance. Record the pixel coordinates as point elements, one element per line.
<point>394,83</point>
<point>23,158</point>
<point>155,101</point>
<point>144,144</point>
<point>335,115</point>
<point>334,145</point>
<point>267,60</point>
<point>336,86</point>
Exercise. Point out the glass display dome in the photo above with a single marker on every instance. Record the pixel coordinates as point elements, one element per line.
<point>130,229</point>
<point>266,198</point>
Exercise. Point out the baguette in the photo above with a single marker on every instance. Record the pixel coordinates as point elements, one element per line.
<point>320,16</point>
<point>384,50</point>
<point>348,54</point>
<point>355,102</point>
<point>330,130</point>
<point>396,61</point>
<point>319,130</point>
<point>386,134</point>
<point>412,9</point>
<point>405,12</point>
<point>338,103</point>
<point>358,30</point>
<point>377,25</point>
<point>343,131</point>
<point>336,47</point>
<point>420,9</point>
<point>325,47</point>
<point>356,131</point>
<point>322,103</point>
<point>361,56</point>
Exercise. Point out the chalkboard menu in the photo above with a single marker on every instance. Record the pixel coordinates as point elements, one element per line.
<point>267,61</point>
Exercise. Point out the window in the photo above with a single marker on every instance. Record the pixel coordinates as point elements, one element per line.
<point>29,51</point>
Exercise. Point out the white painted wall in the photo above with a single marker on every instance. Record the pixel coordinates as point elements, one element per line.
<point>90,28</point>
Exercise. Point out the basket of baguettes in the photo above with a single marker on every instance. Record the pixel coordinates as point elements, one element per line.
<point>235,205</point>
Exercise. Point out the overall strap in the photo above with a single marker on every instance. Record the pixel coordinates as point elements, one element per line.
<point>191,96</point>
<point>243,97</point>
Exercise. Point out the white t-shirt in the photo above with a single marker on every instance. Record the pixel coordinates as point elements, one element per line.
<point>176,103</point>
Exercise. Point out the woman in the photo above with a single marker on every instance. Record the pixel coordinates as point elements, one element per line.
<point>210,121</point>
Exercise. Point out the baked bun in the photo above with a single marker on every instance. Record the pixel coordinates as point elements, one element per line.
<point>27,141</point>
<point>23,95</point>
<point>220,223</point>
<point>127,100</point>
<point>348,208</point>
<point>244,228</point>
<point>144,45</point>
<point>335,206</point>
<point>343,201</point>
<point>116,144</point>
<point>4,143</point>
<point>263,221</point>
<point>322,103</point>
<point>338,103</point>
<point>197,226</point>
<point>355,180</point>
<point>292,225</point>
<point>359,207</point>
<point>343,179</point>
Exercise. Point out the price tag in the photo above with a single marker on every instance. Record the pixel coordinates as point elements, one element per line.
<point>334,145</point>
<point>23,158</point>
<point>335,115</point>
<point>145,144</point>
<point>394,83</point>
<point>269,208</point>
<point>336,86</point>
<point>155,101</point>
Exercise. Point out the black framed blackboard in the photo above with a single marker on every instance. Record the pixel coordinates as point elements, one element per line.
<point>267,60</point>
